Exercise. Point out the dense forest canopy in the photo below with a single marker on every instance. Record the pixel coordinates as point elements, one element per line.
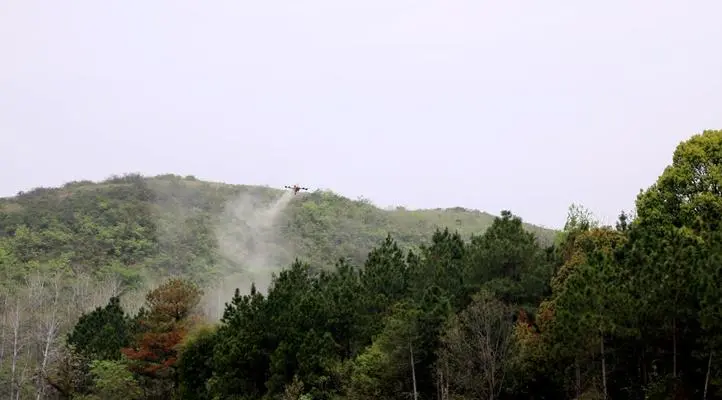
<point>170,287</point>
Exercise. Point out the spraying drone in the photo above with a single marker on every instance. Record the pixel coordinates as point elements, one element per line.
<point>295,188</point>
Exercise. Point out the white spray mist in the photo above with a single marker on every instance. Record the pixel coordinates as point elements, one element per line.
<point>248,239</point>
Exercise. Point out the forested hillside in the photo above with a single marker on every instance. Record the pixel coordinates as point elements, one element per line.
<point>632,311</point>
<point>133,225</point>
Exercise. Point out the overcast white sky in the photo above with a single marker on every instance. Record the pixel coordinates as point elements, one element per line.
<point>520,105</point>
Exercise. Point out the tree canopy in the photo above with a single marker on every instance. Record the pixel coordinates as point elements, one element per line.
<point>374,304</point>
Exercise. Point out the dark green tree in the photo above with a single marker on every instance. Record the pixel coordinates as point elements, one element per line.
<point>676,217</point>
<point>195,365</point>
<point>100,334</point>
<point>384,281</point>
<point>241,354</point>
<point>509,261</point>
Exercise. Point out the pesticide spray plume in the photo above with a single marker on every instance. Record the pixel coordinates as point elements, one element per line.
<point>250,243</point>
<point>250,248</point>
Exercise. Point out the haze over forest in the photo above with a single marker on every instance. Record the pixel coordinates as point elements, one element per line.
<point>170,287</point>
<point>507,200</point>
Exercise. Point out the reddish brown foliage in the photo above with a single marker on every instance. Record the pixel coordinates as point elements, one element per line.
<point>171,309</point>
<point>523,317</point>
<point>155,352</point>
<point>579,245</point>
<point>173,301</point>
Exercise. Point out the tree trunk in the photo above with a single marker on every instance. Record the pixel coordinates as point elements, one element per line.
<point>644,366</point>
<point>446,381</point>
<point>5,311</point>
<point>219,307</point>
<point>438,385</point>
<point>413,369</point>
<point>578,385</point>
<point>51,326</point>
<point>706,379</point>
<point>17,347</point>
<point>674,347</point>
<point>22,380</point>
<point>604,366</point>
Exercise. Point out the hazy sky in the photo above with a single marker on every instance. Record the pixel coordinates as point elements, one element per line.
<point>520,105</point>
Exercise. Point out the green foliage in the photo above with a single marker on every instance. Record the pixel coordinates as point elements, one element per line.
<point>101,333</point>
<point>371,309</point>
<point>384,370</point>
<point>112,381</point>
<point>510,262</point>
<point>135,227</point>
<point>171,314</point>
<point>195,368</point>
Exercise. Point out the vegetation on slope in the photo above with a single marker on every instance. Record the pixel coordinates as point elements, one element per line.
<point>626,312</point>
<point>168,225</point>
<point>66,250</point>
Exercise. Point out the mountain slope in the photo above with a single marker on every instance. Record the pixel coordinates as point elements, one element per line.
<point>134,225</point>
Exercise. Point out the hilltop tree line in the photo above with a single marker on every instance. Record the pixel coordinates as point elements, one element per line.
<point>631,311</point>
<point>136,228</point>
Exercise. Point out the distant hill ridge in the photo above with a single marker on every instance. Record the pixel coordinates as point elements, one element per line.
<point>168,223</point>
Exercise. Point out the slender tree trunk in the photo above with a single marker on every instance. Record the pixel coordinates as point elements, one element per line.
<point>219,313</point>
<point>674,347</point>
<point>604,366</point>
<point>413,369</point>
<point>25,374</point>
<point>645,378</point>
<point>438,385</point>
<point>491,376</point>
<point>2,328</point>
<point>706,379</point>
<point>50,325</point>
<point>446,381</point>
<point>17,347</point>
<point>578,385</point>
